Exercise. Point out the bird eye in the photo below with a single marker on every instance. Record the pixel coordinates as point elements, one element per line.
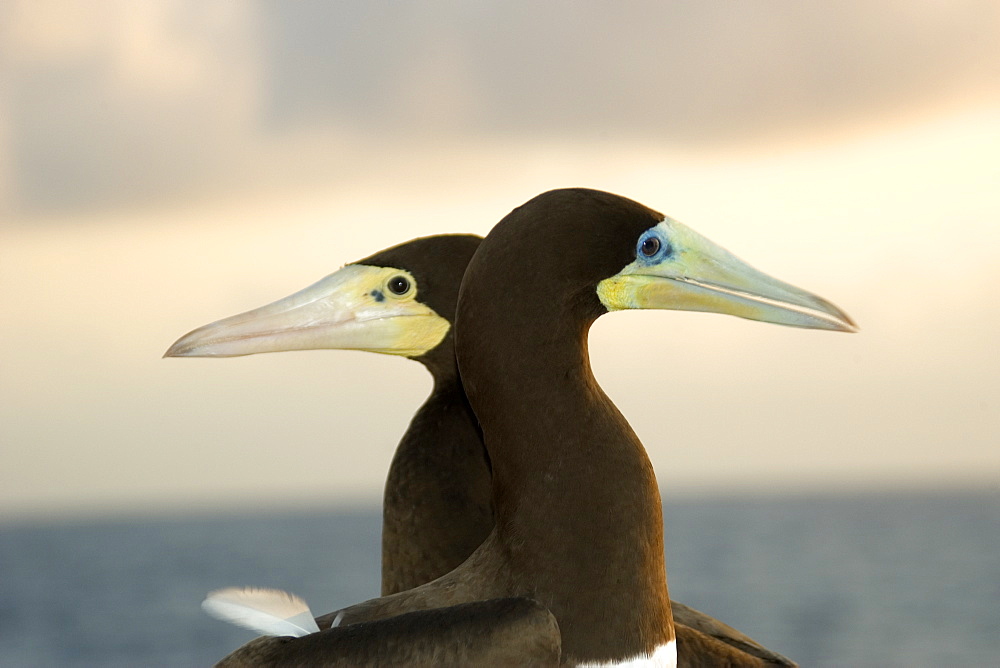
<point>649,246</point>
<point>399,285</point>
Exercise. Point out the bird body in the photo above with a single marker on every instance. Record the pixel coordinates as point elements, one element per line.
<point>578,518</point>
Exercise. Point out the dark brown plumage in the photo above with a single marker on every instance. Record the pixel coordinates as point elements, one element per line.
<point>578,525</point>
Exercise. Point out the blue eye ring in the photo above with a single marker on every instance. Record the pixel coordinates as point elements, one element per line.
<point>649,246</point>
<point>652,247</point>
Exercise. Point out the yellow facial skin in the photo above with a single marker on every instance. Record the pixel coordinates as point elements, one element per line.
<point>699,275</point>
<point>352,309</point>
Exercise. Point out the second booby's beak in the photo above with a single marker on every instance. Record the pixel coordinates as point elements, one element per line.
<point>677,268</point>
<point>360,307</point>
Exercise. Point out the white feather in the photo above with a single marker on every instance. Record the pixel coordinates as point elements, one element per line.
<point>267,611</point>
<point>664,656</point>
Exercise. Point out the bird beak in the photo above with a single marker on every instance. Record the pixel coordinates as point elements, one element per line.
<point>698,275</point>
<point>351,309</point>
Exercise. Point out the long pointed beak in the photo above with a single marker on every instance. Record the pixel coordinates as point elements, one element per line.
<point>350,309</point>
<point>698,275</point>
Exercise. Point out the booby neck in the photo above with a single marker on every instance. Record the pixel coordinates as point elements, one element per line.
<point>577,505</point>
<point>436,507</point>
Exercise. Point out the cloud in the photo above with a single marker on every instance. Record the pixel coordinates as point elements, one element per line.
<point>677,71</point>
<point>125,102</point>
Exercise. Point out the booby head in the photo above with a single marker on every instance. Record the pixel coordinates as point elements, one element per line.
<point>400,301</point>
<point>607,253</point>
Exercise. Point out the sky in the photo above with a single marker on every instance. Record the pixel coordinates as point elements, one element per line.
<point>166,164</point>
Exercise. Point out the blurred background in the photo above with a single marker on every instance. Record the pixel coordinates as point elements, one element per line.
<point>166,164</point>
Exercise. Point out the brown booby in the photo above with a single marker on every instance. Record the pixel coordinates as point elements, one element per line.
<point>578,518</point>
<point>437,506</point>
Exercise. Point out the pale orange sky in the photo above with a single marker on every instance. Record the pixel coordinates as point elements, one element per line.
<point>892,215</point>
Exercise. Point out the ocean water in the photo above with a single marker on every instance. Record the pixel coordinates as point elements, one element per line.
<point>876,580</point>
